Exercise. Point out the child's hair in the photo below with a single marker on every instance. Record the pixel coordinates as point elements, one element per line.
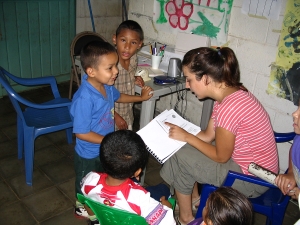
<point>122,153</point>
<point>131,25</point>
<point>91,53</point>
<point>220,64</point>
<point>227,206</point>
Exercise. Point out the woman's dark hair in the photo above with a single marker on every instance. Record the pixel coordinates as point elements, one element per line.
<point>220,64</point>
<point>131,25</point>
<point>122,153</point>
<point>91,53</point>
<point>227,206</point>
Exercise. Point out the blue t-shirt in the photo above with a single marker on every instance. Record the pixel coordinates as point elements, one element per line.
<point>296,159</point>
<point>91,111</point>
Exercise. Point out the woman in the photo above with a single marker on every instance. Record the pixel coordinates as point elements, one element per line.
<point>239,125</point>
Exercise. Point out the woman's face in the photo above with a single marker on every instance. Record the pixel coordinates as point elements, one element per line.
<point>196,86</point>
<point>296,120</point>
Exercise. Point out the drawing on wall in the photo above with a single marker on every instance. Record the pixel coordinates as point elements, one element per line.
<point>285,72</point>
<point>269,9</point>
<point>206,18</point>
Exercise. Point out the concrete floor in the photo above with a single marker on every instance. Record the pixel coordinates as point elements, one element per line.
<point>51,198</point>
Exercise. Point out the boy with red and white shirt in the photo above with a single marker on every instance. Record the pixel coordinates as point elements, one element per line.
<point>123,154</point>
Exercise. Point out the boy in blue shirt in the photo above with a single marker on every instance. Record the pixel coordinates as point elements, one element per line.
<point>92,109</point>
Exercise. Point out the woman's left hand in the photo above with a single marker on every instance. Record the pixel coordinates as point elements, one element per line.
<point>176,132</point>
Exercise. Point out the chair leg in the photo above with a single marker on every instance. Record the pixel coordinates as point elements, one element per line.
<point>71,84</point>
<point>20,132</point>
<point>69,133</point>
<point>29,155</point>
<point>206,190</point>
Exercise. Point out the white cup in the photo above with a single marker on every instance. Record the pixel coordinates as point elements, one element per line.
<point>155,61</point>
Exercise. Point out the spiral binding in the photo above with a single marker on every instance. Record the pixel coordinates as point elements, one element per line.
<point>154,155</point>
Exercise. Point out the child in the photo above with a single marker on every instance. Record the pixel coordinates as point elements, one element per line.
<point>92,109</point>
<point>128,39</point>
<point>226,206</point>
<point>287,182</point>
<point>123,155</point>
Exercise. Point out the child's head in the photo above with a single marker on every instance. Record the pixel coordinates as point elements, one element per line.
<point>220,65</point>
<point>227,206</point>
<point>296,118</point>
<point>123,154</point>
<point>128,39</point>
<point>99,61</point>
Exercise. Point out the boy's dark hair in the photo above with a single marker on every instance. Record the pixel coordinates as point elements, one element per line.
<point>91,53</point>
<point>227,206</point>
<point>220,64</point>
<point>122,153</point>
<point>131,25</point>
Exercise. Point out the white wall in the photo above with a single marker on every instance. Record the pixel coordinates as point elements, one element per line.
<point>255,44</point>
<point>107,17</point>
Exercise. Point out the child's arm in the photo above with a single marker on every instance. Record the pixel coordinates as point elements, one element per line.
<point>120,122</point>
<point>165,202</point>
<point>286,182</point>
<point>91,137</point>
<point>145,95</point>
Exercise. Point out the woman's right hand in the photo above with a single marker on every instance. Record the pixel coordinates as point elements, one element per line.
<point>176,132</point>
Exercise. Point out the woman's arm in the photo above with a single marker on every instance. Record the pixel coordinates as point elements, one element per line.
<point>220,152</point>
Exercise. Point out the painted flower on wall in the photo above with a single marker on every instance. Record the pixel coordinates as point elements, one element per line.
<point>179,13</point>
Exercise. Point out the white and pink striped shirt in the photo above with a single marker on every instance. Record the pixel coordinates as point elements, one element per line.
<point>243,115</point>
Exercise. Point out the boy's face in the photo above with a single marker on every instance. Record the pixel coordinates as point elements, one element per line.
<point>127,42</point>
<point>296,119</point>
<point>106,72</point>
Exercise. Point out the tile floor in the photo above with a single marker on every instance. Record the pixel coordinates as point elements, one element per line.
<point>50,200</point>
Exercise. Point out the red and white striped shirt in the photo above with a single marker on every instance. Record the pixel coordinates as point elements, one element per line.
<point>243,115</point>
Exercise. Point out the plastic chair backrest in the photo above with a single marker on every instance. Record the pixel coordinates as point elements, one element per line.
<point>110,216</point>
<point>14,97</point>
<point>272,203</point>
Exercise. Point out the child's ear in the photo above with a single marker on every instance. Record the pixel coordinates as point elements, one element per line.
<point>114,39</point>
<point>140,44</point>
<point>138,172</point>
<point>89,71</point>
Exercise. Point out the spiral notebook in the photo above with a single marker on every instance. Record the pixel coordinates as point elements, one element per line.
<point>156,135</point>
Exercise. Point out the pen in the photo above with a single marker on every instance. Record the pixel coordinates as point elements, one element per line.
<point>151,51</point>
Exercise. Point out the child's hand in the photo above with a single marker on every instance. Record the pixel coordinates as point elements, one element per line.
<point>294,193</point>
<point>285,182</point>
<point>145,95</point>
<point>120,122</point>
<point>165,202</point>
<point>139,81</point>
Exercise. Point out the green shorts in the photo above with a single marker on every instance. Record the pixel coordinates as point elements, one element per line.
<point>83,167</point>
<point>189,165</point>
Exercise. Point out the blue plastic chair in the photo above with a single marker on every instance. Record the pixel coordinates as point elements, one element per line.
<point>272,203</point>
<point>36,119</point>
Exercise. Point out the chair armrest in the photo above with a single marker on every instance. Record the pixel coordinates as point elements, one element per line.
<point>231,176</point>
<point>50,80</point>
<point>55,103</point>
<point>173,202</point>
<point>284,137</point>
